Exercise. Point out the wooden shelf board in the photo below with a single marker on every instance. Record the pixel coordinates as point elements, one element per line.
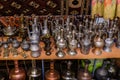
<point>114,54</point>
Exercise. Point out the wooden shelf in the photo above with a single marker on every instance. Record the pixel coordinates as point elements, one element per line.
<point>114,54</point>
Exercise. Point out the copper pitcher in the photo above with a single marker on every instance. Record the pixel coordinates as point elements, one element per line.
<point>52,74</point>
<point>17,73</point>
<point>85,75</point>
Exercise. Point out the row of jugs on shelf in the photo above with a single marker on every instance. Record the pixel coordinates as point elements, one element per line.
<point>101,73</point>
<point>19,73</point>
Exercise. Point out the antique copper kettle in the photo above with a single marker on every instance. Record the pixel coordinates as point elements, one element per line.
<point>17,73</point>
<point>85,75</point>
<point>52,74</point>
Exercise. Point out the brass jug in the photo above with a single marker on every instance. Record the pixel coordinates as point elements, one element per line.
<point>17,73</point>
<point>85,75</point>
<point>52,74</point>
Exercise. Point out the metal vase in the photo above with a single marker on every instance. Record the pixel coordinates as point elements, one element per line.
<point>34,34</point>
<point>72,45</point>
<point>68,74</point>
<point>52,74</point>
<point>60,53</point>
<point>99,43</point>
<point>25,45</point>
<point>61,44</point>
<point>108,45</point>
<point>17,73</point>
<point>85,45</point>
<point>101,73</point>
<point>34,71</point>
<point>85,75</point>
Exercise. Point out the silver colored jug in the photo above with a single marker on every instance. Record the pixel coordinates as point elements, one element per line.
<point>72,45</point>
<point>34,35</point>
<point>85,44</point>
